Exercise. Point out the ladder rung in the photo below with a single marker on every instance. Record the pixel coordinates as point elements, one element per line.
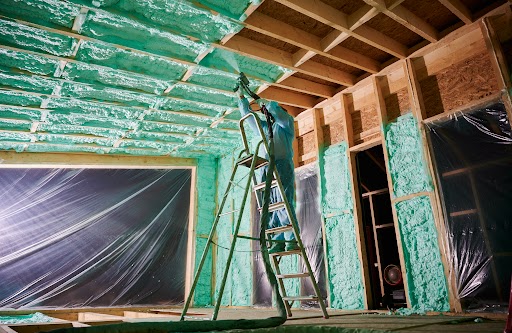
<point>300,298</point>
<point>285,253</point>
<point>248,237</point>
<point>279,229</point>
<point>292,276</point>
<point>275,206</point>
<point>261,186</point>
<point>230,212</point>
<point>247,160</point>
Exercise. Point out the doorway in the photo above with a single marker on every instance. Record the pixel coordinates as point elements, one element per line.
<point>379,231</point>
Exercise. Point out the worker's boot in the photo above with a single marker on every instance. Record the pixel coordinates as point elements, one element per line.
<point>277,247</point>
<point>291,246</point>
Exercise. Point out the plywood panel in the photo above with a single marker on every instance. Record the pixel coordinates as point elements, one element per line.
<point>461,83</point>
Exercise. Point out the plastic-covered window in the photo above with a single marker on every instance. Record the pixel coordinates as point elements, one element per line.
<point>92,237</point>
<point>473,157</point>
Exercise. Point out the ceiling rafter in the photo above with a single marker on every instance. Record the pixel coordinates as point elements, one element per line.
<point>277,29</point>
<point>289,97</point>
<point>459,9</point>
<point>306,86</point>
<point>406,18</point>
<point>338,20</point>
<point>263,52</point>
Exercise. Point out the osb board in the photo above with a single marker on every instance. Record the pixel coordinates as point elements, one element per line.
<point>345,6</point>
<point>397,104</point>
<point>309,160</point>
<point>463,47</point>
<point>368,50</point>
<point>267,40</point>
<point>338,65</point>
<point>459,84</point>
<point>315,79</point>
<point>432,12</point>
<point>333,133</point>
<point>395,30</point>
<point>294,18</point>
<point>365,119</point>
<point>478,5</point>
<point>306,143</point>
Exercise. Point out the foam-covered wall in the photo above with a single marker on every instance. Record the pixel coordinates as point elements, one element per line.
<point>239,284</point>
<point>206,191</point>
<point>344,267</point>
<point>425,273</point>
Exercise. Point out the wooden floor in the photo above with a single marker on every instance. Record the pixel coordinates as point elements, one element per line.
<point>445,323</point>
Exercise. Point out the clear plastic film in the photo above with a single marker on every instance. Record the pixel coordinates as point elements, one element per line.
<point>473,156</point>
<point>93,237</point>
<point>310,223</point>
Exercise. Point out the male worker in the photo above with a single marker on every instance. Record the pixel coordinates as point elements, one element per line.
<point>283,131</point>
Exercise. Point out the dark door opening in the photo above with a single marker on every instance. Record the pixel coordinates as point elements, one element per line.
<point>379,231</point>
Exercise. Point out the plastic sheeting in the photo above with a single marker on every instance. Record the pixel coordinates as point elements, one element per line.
<point>310,223</point>
<point>473,158</point>
<point>92,237</point>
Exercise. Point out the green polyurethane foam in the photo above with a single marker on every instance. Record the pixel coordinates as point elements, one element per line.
<point>44,12</point>
<point>425,273</point>
<point>344,269</point>
<point>15,136</point>
<point>36,317</point>
<point>406,163</point>
<point>105,55</point>
<point>113,87</point>
<point>123,30</point>
<point>25,37</point>
<point>206,191</point>
<point>234,63</point>
<point>183,17</point>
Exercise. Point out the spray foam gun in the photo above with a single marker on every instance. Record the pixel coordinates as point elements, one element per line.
<point>243,84</point>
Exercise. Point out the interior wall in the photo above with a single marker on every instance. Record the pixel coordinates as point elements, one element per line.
<point>389,109</point>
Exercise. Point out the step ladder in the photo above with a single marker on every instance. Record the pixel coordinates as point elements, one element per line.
<point>253,162</point>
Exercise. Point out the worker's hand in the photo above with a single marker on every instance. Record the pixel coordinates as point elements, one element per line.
<point>241,93</point>
<point>262,102</point>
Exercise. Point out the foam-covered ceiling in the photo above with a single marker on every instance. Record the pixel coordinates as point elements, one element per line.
<point>122,76</point>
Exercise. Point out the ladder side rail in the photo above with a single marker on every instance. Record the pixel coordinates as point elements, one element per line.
<point>260,130</point>
<point>235,236</point>
<point>208,243</point>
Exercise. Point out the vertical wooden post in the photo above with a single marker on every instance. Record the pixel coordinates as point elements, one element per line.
<point>191,242</point>
<point>383,120</point>
<point>295,145</point>
<point>419,110</point>
<point>346,106</point>
<point>317,128</point>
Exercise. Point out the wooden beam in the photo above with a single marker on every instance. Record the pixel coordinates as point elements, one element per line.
<point>459,9</point>
<point>408,19</point>
<point>338,20</point>
<point>289,97</point>
<point>305,86</point>
<point>317,129</point>
<point>263,52</point>
<point>277,29</point>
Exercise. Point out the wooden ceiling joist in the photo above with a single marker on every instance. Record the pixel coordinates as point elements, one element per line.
<point>328,15</point>
<point>263,52</point>
<point>408,19</point>
<point>459,9</point>
<point>305,86</point>
<point>289,97</point>
<point>277,29</point>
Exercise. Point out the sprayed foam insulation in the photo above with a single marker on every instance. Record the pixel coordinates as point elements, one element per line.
<point>344,270</point>
<point>459,84</point>
<point>239,284</point>
<point>406,163</point>
<point>99,87</point>
<point>425,274</point>
<point>205,189</point>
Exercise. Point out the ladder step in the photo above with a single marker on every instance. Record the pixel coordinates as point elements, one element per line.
<point>275,206</point>
<point>292,276</point>
<point>261,186</point>
<point>285,253</point>
<point>300,298</point>
<point>247,160</point>
<point>279,229</point>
